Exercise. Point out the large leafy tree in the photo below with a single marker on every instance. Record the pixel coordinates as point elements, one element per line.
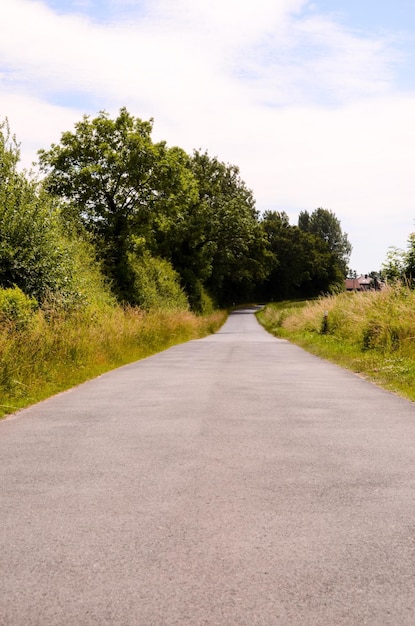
<point>216,243</point>
<point>231,238</point>
<point>120,185</point>
<point>327,226</point>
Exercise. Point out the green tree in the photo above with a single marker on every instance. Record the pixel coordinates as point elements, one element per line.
<point>231,247</point>
<point>304,266</point>
<point>33,249</point>
<point>327,226</point>
<point>215,243</point>
<point>120,185</point>
<point>410,260</point>
<point>399,264</point>
<point>395,265</point>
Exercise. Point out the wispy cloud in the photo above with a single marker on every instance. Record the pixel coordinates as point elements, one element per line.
<point>308,108</point>
<point>279,45</point>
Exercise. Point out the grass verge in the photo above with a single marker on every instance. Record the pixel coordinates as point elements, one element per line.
<point>372,334</point>
<point>57,351</point>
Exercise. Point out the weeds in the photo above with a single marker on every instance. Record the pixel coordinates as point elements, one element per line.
<point>372,333</point>
<point>58,350</point>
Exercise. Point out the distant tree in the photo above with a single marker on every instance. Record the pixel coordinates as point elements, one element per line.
<point>304,266</point>
<point>399,264</point>
<point>410,259</point>
<point>326,225</point>
<point>395,265</point>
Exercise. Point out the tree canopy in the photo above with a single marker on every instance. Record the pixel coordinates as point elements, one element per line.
<point>326,225</point>
<point>119,185</point>
<point>162,225</point>
<point>304,265</point>
<point>134,195</point>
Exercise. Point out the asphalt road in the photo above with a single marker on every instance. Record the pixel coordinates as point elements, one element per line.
<point>230,481</point>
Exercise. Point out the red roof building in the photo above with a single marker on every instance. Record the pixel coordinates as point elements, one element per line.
<point>361,283</point>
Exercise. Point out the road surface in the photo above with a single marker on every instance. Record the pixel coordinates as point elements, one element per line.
<point>231,481</point>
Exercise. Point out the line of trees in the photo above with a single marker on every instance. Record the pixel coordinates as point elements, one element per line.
<point>156,221</point>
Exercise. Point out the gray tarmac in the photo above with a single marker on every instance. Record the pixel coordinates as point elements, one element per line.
<point>231,481</point>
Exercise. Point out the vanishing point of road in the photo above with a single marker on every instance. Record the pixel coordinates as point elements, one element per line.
<point>231,481</point>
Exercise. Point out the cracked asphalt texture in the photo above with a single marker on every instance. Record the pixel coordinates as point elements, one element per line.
<point>231,481</point>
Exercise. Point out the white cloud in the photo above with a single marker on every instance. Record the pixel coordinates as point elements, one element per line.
<point>35,123</point>
<point>182,39</point>
<point>306,108</point>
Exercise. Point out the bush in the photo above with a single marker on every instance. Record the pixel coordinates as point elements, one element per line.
<point>16,308</point>
<point>33,248</point>
<point>156,284</point>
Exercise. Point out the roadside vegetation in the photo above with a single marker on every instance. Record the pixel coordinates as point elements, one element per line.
<point>119,247</point>
<point>47,350</point>
<point>115,247</point>
<point>371,333</point>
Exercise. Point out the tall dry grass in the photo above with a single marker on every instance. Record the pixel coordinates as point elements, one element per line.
<point>382,320</point>
<point>56,350</point>
<point>372,333</point>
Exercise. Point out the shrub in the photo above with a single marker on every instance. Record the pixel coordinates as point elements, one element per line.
<point>33,250</point>
<point>156,284</point>
<point>16,308</point>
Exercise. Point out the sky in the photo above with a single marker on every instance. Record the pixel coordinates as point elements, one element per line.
<point>314,101</point>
